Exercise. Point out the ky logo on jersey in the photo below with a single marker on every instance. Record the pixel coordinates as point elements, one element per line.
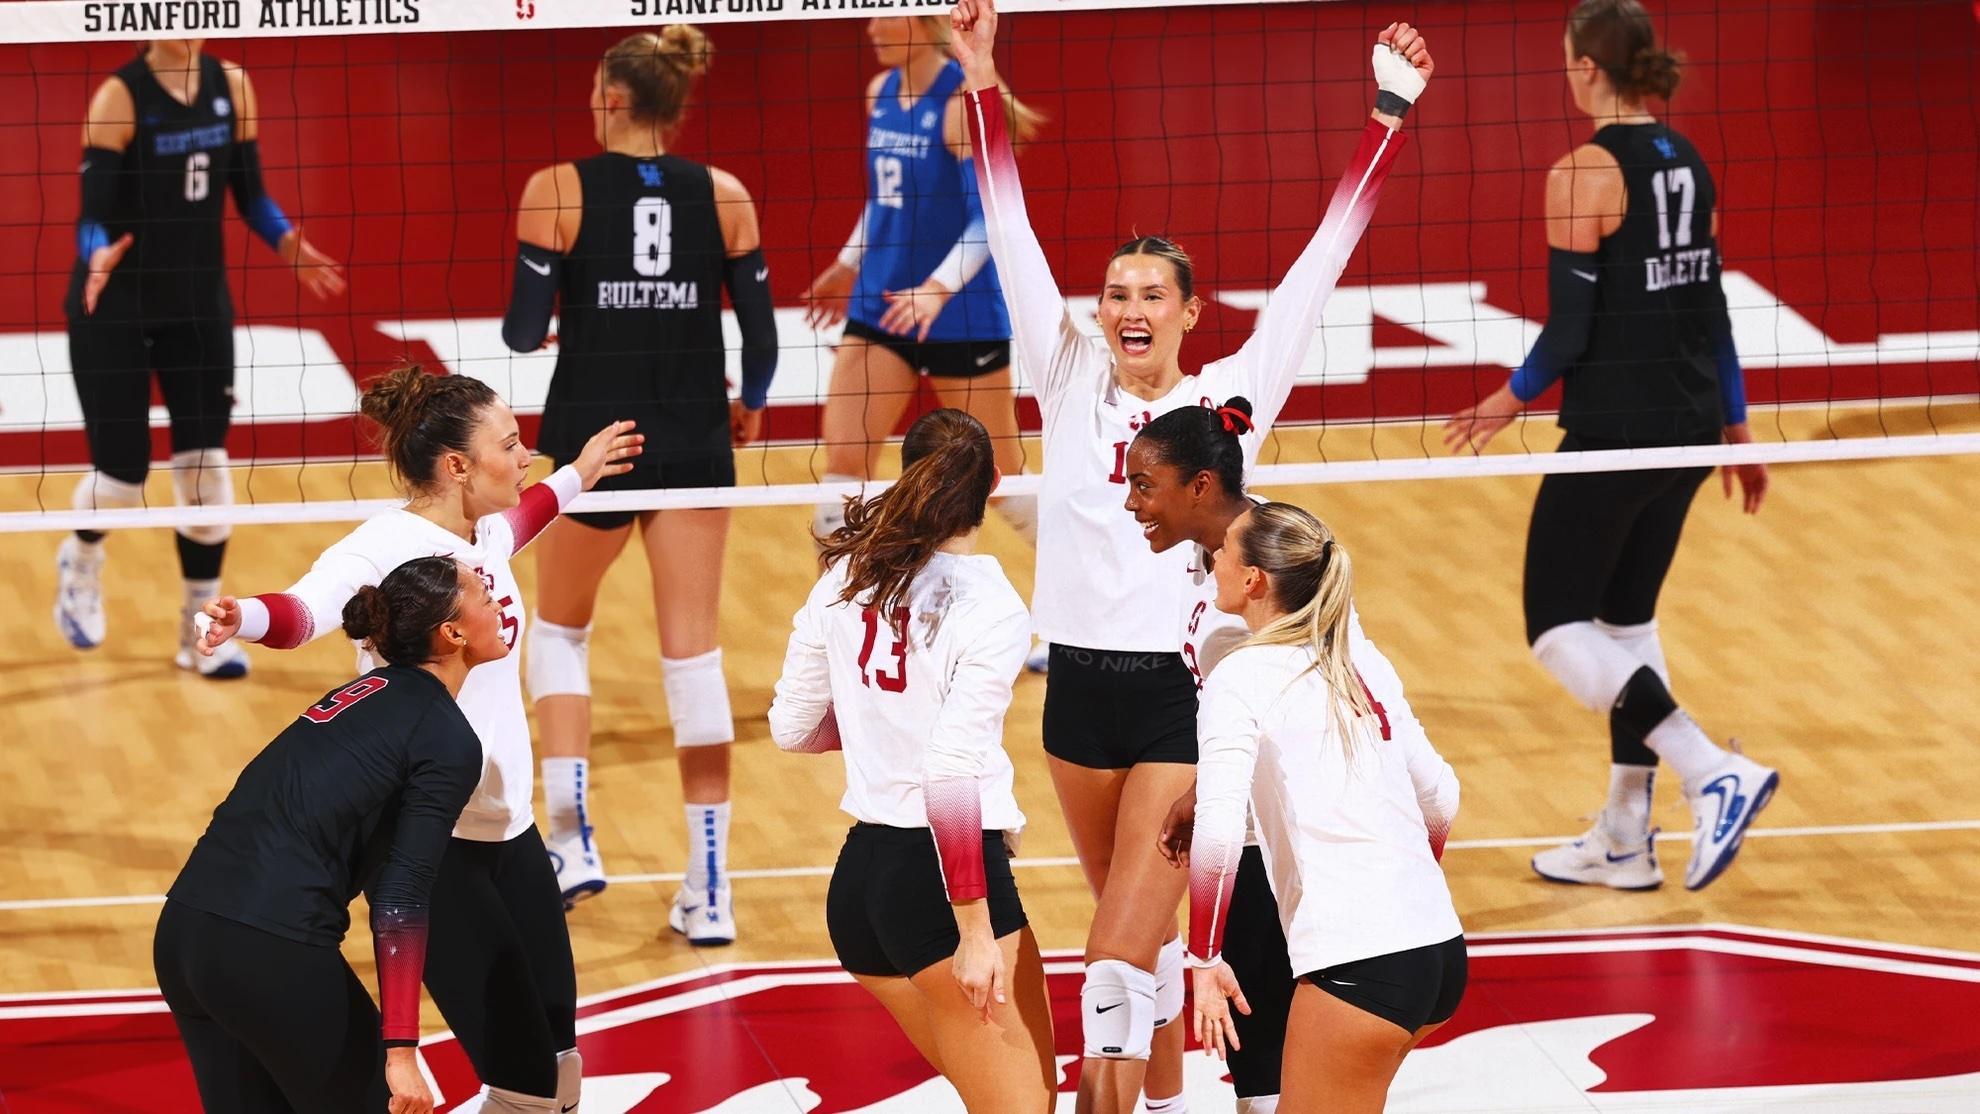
<point>650,176</point>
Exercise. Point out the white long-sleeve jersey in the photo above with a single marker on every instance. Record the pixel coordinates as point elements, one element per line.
<point>1097,584</point>
<point>491,697</point>
<point>1350,841</point>
<point>917,704</point>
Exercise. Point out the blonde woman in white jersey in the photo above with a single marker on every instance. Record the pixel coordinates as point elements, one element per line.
<point>903,657</point>
<point>499,955</point>
<point>1351,805</point>
<point>1119,702</point>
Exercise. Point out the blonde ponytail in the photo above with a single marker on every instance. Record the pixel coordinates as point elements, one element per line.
<point>1313,583</point>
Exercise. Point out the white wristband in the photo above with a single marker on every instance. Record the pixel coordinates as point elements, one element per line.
<point>1394,74</point>
<point>1200,963</point>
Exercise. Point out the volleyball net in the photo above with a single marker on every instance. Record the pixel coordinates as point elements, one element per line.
<point>399,134</point>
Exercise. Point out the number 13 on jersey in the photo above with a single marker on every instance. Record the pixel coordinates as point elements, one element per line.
<point>878,675</point>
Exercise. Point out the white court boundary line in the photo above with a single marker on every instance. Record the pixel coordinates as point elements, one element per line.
<point>24,905</point>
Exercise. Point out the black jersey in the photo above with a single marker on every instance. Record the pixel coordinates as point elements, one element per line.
<point>171,195</point>
<point>639,321</point>
<point>359,793</point>
<point>1649,374</point>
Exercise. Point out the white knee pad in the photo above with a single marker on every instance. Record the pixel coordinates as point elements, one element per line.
<point>201,478</point>
<point>1117,1010</point>
<point>100,492</point>
<point>1259,1104</point>
<point>1170,977</point>
<point>1021,511</point>
<point>570,1079</point>
<point>558,660</point>
<point>495,1100</point>
<point>1588,663</point>
<point>828,516</point>
<point>698,700</point>
<point>1641,640</point>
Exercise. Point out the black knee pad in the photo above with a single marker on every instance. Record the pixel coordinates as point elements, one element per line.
<point>1643,704</point>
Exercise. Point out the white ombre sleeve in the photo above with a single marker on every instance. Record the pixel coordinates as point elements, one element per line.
<point>800,712</point>
<point>1050,349</point>
<point>968,729</point>
<point>1227,752</point>
<point>1271,359</point>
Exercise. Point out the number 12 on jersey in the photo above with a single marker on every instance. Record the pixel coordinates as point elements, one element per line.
<point>897,681</point>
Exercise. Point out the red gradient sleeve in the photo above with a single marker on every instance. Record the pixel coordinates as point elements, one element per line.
<point>955,816</point>
<point>1212,872</point>
<point>540,505</point>
<point>290,623</point>
<point>823,738</point>
<point>398,940</point>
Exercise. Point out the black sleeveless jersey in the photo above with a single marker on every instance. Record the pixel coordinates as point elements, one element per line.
<point>639,321</point>
<point>171,196</point>
<point>1649,375</point>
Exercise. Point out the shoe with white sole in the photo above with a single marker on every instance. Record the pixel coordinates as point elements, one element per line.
<point>1723,805</point>
<point>228,662</point>
<point>1598,859</point>
<point>79,593</point>
<point>580,874</point>
<point>1041,657</point>
<point>707,919</point>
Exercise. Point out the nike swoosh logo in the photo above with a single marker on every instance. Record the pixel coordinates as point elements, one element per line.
<point>540,268</point>
<point>1581,274</point>
<point>762,273</point>
<point>568,1109</point>
<point>1732,804</point>
<point>1615,858</point>
<point>1338,982</point>
<point>1104,1009</point>
<point>984,360</point>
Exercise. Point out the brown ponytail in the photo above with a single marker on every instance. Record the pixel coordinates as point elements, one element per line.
<point>421,416</point>
<point>947,471</point>
<point>658,70</point>
<point>1619,37</point>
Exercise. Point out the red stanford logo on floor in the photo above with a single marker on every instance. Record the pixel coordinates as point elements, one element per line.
<point>1720,1019</point>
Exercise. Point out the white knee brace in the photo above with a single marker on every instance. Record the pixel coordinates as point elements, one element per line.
<point>1117,1010</point>
<point>1260,1104</point>
<point>100,492</point>
<point>1588,663</point>
<point>558,660</point>
<point>1640,639</point>
<point>698,700</point>
<point>494,1100</point>
<point>831,514</point>
<point>201,478</point>
<point>1170,975</point>
<point>570,1079</point>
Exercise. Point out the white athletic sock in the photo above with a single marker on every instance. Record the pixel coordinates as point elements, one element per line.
<point>1641,640</point>
<point>1626,817</point>
<point>1177,1105</point>
<point>198,592</point>
<point>1259,1104</point>
<point>565,784</point>
<point>1682,743</point>
<point>708,846</point>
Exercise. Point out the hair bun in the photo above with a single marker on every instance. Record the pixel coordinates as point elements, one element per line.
<point>686,48</point>
<point>1654,70</point>
<point>1239,403</point>
<point>367,614</point>
<point>395,394</point>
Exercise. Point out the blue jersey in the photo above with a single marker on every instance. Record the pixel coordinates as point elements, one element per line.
<point>920,199</point>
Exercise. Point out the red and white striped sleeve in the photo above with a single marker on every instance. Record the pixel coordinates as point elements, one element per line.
<point>1050,350</point>
<point>312,606</point>
<point>968,728</point>
<point>1227,753</point>
<point>1270,360</point>
<point>541,503</point>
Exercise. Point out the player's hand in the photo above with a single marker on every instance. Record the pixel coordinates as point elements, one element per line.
<point>223,617</point>
<point>408,1087</point>
<point>102,261</point>
<point>1407,44</point>
<point>972,34</point>
<point>1217,991</point>
<point>1752,477</point>
<point>1177,828</point>
<point>915,309</point>
<point>745,425</point>
<point>829,295</point>
<point>609,453</point>
<point>318,273</point>
<point>978,966</point>
<point>1470,428</point>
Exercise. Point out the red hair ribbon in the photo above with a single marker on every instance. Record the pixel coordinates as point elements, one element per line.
<point>1233,418</point>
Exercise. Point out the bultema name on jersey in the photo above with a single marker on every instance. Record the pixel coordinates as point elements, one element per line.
<point>648,294</point>
<point>146,16</point>
<point>1677,268</point>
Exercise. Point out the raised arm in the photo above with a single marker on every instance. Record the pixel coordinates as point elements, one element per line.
<point>540,505</point>
<point>1288,324</point>
<point>1042,331</point>
<point>801,718</point>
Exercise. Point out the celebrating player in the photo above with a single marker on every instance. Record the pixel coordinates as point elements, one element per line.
<point>1351,805</point>
<point>501,973</point>
<point>1637,333</point>
<point>370,778</point>
<point>903,656</point>
<point>915,283</point>
<point>167,136</point>
<point>1120,703</point>
<point>631,248</point>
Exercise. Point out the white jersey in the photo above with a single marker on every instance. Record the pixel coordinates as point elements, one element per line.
<point>1349,842</point>
<point>1098,585</point>
<point>492,697</point>
<point>916,710</point>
